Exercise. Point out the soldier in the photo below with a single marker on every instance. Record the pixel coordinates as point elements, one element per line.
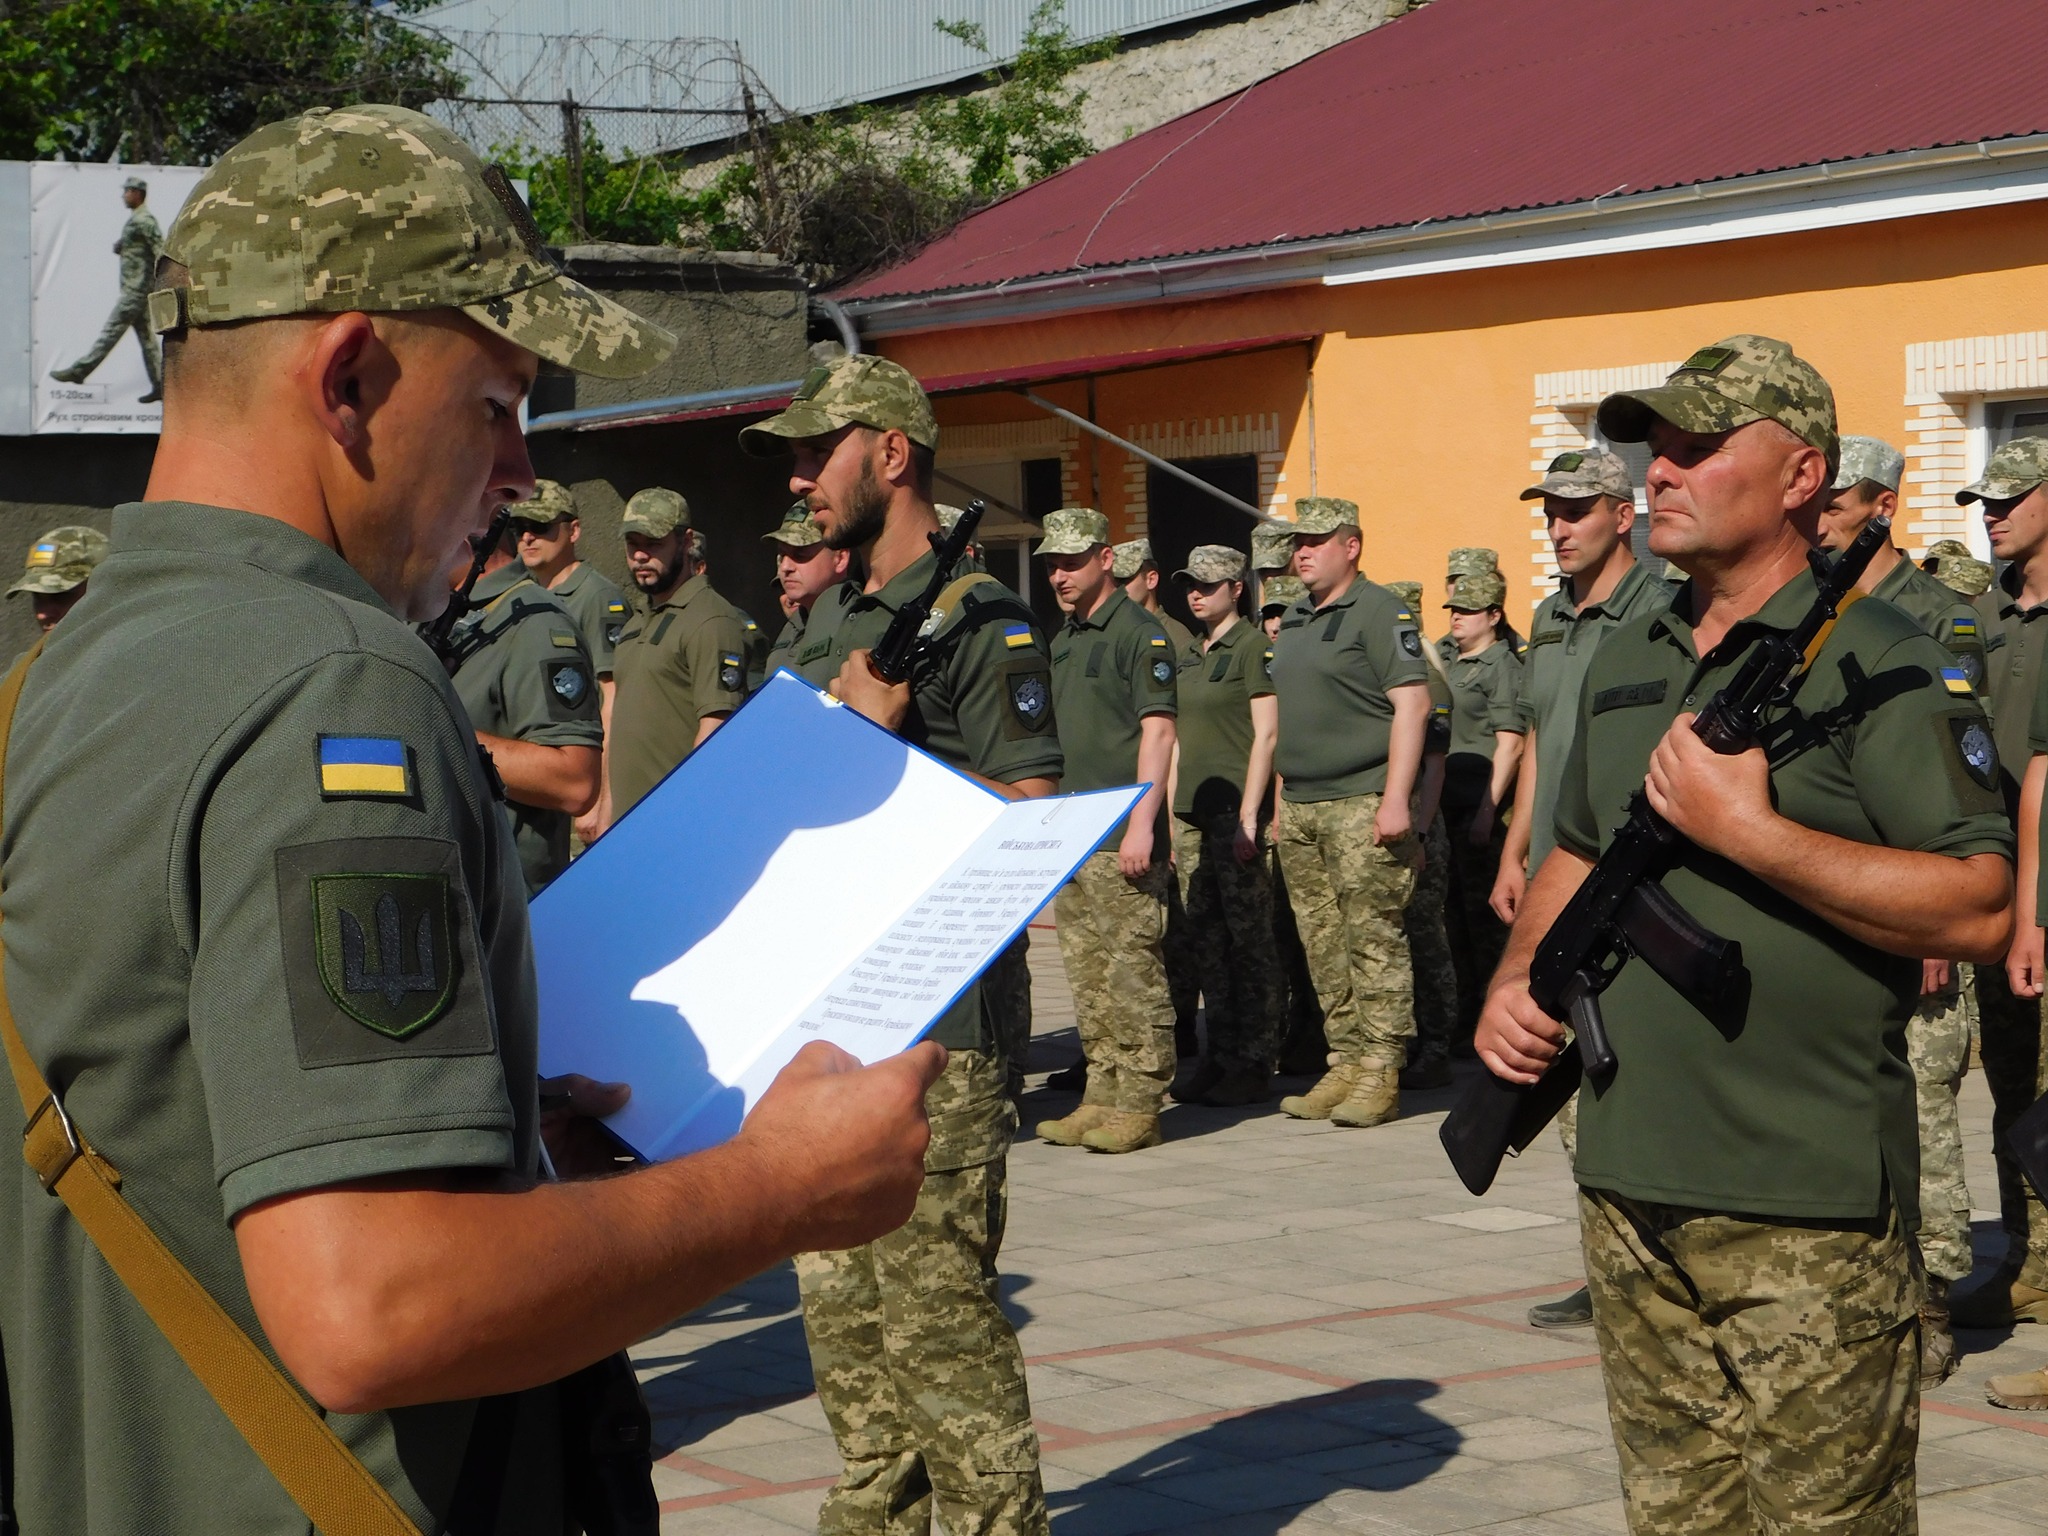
<point>681,662</point>
<point>1950,562</point>
<point>57,569</point>
<point>1222,787</point>
<point>140,242</point>
<point>1112,682</point>
<point>1135,568</point>
<point>918,1370</point>
<point>1354,710</point>
<point>1589,510</point>
<point>806,568</point>
<point>316,1124</point>
<point>1429,941</point>
<point>1746,1187</point>
<point>757,643</point>
<point>1467,560</point>
<point>1277,595</point>
<point>521,671</point>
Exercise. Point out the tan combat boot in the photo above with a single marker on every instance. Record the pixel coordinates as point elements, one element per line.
<point>1332,1089</point>
<point>1068,1132</point>
<point>2025,1391</point>
<point>1124,1131</point>
<point>2000,1302</point>
<point>1375,1099</point>
<point>1937,1341</point>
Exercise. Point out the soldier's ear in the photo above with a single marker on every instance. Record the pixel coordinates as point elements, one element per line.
<point>336,377</point>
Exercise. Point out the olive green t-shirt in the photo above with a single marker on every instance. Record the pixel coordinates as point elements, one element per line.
<point>783,652</point>
<point>756,648</point>
<point>1486,700</point>
<point>1332,669</point>
<point>264,934</point>
<point>1803,1106</point>
<point>2014,640</point>
<point>522,672</point>
<point>1561,645</point>
<point>599,606</point>
<point>1109,671</point>
<point>681,660</point>
<point>1215,691</point>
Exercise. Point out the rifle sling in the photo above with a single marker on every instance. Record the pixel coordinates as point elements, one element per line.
<point>334,1490</point>
<point>1820,636</point>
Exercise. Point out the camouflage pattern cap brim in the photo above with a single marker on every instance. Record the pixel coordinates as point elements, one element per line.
<point>1730,384</point>
<point>1627,418</point>
<point>1073,531</point>
<point>2015,469</point>
<point>576,328</point>
<point>1581,473</point>
<point>52,583</point>
<point>857,390</point>
<point>1210,563</point>
<point>796,532</point>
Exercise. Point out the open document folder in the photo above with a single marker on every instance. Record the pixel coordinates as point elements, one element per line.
<point>803,876</point>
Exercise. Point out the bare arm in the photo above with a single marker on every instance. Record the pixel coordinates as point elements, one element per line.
<point>546,778</point>
<point>1516,1039</point>
<point>1512,879</point>
<point>1258,774</point>
<point>2023,961</point>
<point>389,1292</point>
<point>1404,760</point>
<point>706,724</point>
<point>1156,741</point>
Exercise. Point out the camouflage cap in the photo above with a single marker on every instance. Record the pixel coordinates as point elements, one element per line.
<point>551,499</point>
<point>1410,592</point>
<point>1130,557</point>
<point>1872,459</point>
<point>1583,472</point>
<point>949,516</point>
<point>1073,531</point>
<point>1471,560</point>
<point>1281,592</point>
<point>1476,591</point>
<point>1730,384</point>
<point>1272,546</point>
<point>1208,563</point>
<point>797,529</point>
<point>135,184</point>
<point>860,388</point>
<point>655,513</point>
<point>1950,548</point>
<point>1318,515</point>
<point>381,209</point>
<point>1965,574</point>
<point>60,560</point>
<point>2014,470</point>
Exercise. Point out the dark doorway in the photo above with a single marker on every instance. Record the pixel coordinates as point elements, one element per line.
<point>1182,517</point>
<point>1041,497</point>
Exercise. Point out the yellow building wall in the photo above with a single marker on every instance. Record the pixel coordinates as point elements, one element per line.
<point>1433,401</point>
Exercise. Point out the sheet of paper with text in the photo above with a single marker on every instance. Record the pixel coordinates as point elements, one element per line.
<point>803,876</point>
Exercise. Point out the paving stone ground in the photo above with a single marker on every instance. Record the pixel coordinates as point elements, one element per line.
<point>1267,1325</point>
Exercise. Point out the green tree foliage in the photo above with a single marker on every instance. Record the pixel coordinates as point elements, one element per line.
<point>178,81</point>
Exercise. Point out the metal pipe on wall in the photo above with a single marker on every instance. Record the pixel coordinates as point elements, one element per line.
<point>1153,459</point>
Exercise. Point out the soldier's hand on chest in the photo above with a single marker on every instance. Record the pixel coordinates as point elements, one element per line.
<point>1722,802</point>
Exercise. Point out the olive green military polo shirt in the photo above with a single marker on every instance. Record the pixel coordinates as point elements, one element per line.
<point>264,934</point>
<point>599,606</point>
<point>757,647</point>
<point>1941,612</point>
<point>2014,639</point>
<point>1803,1105</point>
<point>683,659</point>
<point>1215,689</point>
<point>522,672</point>
<point>1486,700</point>
<point>1332,669</point>
<point>1178,635</point>
<point>1436,740</point>
<point>1109,671</point>
<point>783,652</point>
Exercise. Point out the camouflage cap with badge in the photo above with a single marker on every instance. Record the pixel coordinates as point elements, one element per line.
<point>797,529</point>
<point>60,560</point>
<point>1728,385</point>
<point>1872,459</point>
<point>1209,564</point>
<point>551,501</point>
<point>1471,560</point>
<point>1073,531</point>
<point>856,390</point>
<point>382,210</point>
<point>1950,562</point>
<point>1129,558</point>
<point>1477,591</point>
<point>1315,516</point>
<point>655,513</point>
<point>1272,546</point>
<point>1410,593</point>
<point>2015,469</point>
<point>1280,592</point>
<point>1583,472</point>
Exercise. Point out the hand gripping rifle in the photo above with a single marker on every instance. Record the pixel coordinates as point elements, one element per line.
<point>1621,912</point>
<point>438,634</point>
<point>897,651</point>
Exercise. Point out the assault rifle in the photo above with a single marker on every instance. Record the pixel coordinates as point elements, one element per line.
<point>1621,912</point>
<point>438,634</point>
<point>896,652</point>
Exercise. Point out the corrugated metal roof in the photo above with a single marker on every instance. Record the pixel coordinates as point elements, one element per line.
<point>1473,107</point>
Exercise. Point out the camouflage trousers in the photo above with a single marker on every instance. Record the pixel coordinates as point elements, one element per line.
<point>1477,935</point>
<point>1229,909</point>
<point>1761,1376</point>
<point>1429,948</point>
<point>130,314</point>
<point>2015,1051</point>
<point>1112,935</point>
<point>1938,1048</point>
<point>1006,998</point>
<point>1349,895</point>
<point>918,1370</point>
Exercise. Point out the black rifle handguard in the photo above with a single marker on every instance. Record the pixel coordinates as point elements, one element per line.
<point>896,652</point>
<point>439,634</point>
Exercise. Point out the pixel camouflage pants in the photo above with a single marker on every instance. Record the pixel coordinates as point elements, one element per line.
<point>2014,1047</point>
<point>918,1370</point>
<point>1006,996</point>
<point>1429,948</point>
<point>130,314</point>
<point>1229,907</point>
<point>1761,1377</point>
<point>1938,1047</point>
<point>1112,934</point>
<point>1349,896</point>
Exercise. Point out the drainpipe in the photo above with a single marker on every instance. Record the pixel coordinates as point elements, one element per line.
<point>849,338</point>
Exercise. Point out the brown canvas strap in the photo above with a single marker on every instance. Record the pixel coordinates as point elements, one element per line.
<point>336,1492</point>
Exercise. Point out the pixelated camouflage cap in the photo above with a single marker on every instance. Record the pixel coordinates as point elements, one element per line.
<point>1272,546</point>
<point>798,529</point>
<point>1318,515</point>
<point>1281,592</point>
<point>2014,470</point>
<point>1730,384</point>
<point>1948,548</point>
<point>1208,563</point>
<point>1130,557</point>
<point>135,184</point>
<point>655,513</point>
<point>1476,591</point>
<point>857,389</point>
<point>949,516</point>
<point>1073,531</point>
<point>1410,592</point>
<point>1471,560</point>
<point>381,209</point>
<point>551,499</point>
<point>60,560</point>
<point>1965,574</point>
<point>1583,472</point>
<point>1872,459</point>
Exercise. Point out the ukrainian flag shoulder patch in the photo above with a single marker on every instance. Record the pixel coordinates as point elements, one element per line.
<point>1964,628</point>
<point>363,765</point>
<point>1016,636</point>
<point>1956,681</point>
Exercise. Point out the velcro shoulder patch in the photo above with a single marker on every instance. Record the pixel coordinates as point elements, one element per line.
<point>730,675</point>
<point>1630,696</point>
<point>375,766</point>
<point>561,641</point>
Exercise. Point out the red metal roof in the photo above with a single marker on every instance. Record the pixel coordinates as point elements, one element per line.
<point>1470,107</point>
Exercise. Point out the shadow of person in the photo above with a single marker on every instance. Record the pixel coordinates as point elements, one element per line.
<point>1259,1469</point>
